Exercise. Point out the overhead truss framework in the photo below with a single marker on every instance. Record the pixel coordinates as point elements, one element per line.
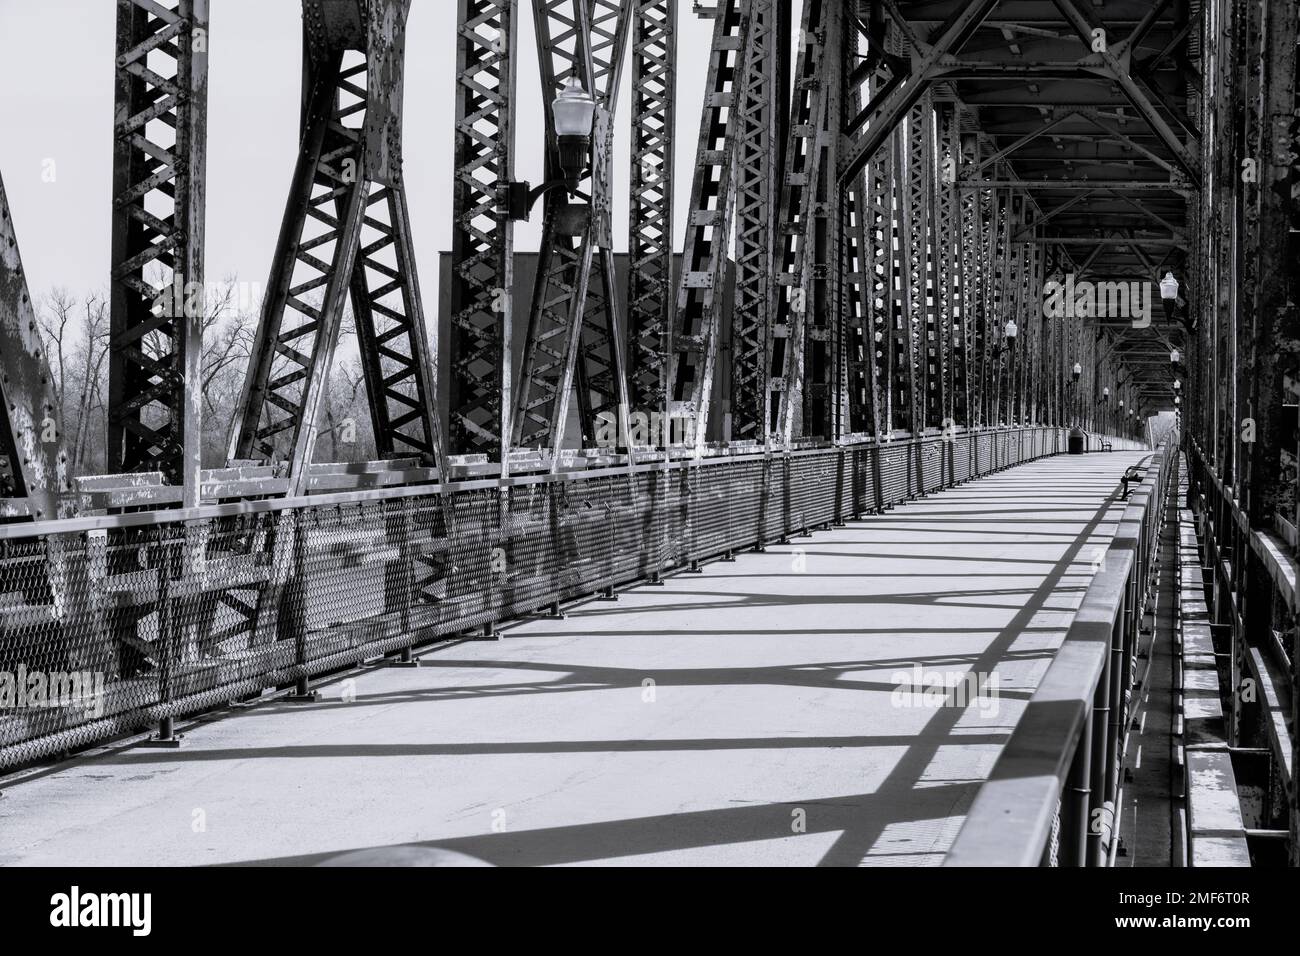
<point>882,192</point>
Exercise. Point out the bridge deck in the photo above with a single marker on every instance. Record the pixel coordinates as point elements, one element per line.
<point>744,715</point>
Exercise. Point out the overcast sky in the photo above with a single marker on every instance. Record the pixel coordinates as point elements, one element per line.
<point>56,103</point>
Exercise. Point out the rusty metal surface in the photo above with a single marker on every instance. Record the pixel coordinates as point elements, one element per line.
<point>156,301</point>
<point>33,467</point>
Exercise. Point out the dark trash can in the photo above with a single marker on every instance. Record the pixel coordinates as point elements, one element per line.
<point>1076,442</point>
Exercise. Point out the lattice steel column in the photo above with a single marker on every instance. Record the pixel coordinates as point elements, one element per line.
<point>650,219</point>
<point>482,238</point>
<point>757,191</point>
<point>880,264</point>
<point>824,406</point>
<point>947,266</point>
<point>345,229</point>
<point>700,286</point>
<point>927,253</point>
<point>796,229</point>
<point>157,308</point>
<point>855,292</point>
<point>574,332</point>
<point>33,470</point>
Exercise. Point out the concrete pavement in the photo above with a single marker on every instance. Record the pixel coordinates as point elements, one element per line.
<point>754,713</point>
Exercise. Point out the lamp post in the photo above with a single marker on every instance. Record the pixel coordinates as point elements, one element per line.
<point>1074,380</point>
<point>573,113</point>
<point>1105,411</point>
<point>1009,332</point>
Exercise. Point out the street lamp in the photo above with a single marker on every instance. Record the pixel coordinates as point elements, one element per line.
<point>1076,371</point>
<point>1169,294</point>
<point>573,113</point>
<point>1174,356</point>
<point>1009,331</point>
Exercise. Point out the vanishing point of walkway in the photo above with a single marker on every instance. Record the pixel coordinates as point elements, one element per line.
<point>749,714</point>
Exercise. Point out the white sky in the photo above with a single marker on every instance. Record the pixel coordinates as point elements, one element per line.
<point>56,103</point>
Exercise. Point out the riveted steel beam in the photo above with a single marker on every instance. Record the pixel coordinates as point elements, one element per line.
<point>345,231</point>
<point>761,107</point>
<point>891,109</point>
<point>33,468</point>
<point>482,244</point>
<point>156,279</point>
<point>650,220</point>
<point>704,259</point>
<point>575,336</point>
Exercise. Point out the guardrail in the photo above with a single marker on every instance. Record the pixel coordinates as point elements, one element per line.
<point>131,619</point>
<point>1051,797</point>
<point>1249,578</point>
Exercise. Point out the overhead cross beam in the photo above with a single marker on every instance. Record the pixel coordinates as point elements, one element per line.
<point>1116,67</point>
<point>886,114</point>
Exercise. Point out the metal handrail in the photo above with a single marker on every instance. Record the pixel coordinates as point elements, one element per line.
<point>167,516</point>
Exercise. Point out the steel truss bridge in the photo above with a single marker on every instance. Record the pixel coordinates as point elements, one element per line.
<point>883,197</point>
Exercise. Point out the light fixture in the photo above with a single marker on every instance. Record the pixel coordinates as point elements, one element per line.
<point>1076,371</point>
<point>1177,400</point>
<point>573,114</point>
<point>1105,394</point>
<point>1010,330</point>
<point>1121,403</point>
<point>1169,287</point>
<point>1177,385</point>
<point>1174,356</point>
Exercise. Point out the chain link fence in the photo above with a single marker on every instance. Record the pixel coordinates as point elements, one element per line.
<point>110,624</point>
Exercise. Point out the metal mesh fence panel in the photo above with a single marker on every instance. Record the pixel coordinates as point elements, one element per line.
<point>118,621</point>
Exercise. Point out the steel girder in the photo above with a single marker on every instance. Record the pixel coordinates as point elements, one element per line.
<point>807,229</point>
<point>345,230</point>
<point>758,150</point>
<point>157,308</point>
<point>575,336</point>
<point>650,221</point>
<point>856,291</point>
<point>884,111</point>
<point>482,245</point>
<point>33,469</point>
<point>700,285</point>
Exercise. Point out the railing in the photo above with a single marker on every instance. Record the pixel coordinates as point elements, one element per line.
<point>130,619</point>
<point>1051,797</point>
<point>1250,576</point>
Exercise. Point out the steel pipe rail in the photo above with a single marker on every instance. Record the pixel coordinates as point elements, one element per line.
<point>1051,797</point>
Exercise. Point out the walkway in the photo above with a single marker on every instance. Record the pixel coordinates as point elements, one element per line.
<point>749,714</point>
